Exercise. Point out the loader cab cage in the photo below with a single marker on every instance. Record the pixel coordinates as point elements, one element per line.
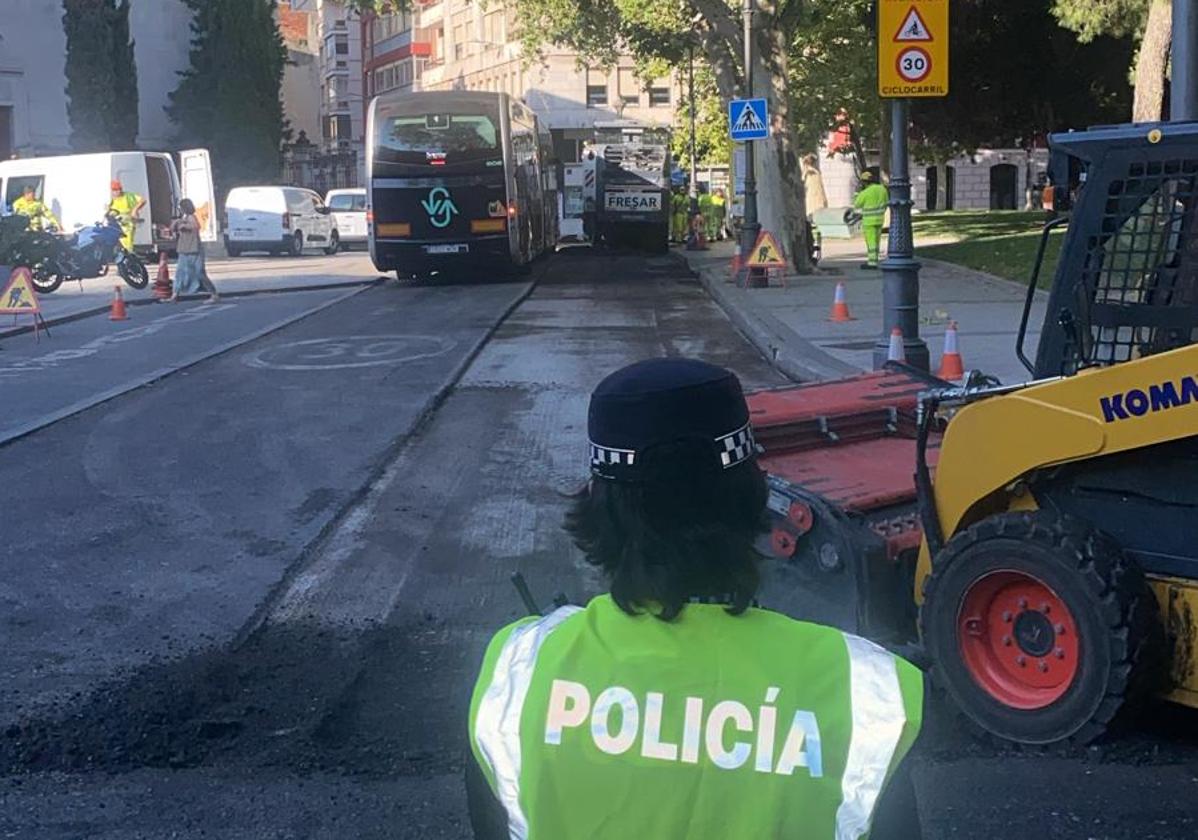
<point>1126,285</point>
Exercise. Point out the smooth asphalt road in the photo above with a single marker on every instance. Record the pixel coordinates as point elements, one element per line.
<point>248,600</point>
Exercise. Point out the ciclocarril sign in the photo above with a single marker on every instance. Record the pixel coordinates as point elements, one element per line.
<point>912,48</point>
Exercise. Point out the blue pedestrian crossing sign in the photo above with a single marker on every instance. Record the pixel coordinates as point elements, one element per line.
<point>748,119</point>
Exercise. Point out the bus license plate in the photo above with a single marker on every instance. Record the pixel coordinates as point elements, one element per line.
<point>446,249</point>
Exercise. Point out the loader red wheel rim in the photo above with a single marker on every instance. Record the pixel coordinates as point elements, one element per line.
<point>1018,639</point>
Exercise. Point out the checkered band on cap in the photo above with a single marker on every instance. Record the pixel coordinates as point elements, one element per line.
<point>603,456</point>
<point>737,447</point>
<point>733,448</point>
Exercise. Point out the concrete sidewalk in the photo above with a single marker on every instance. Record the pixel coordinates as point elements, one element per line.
<point>790,325</point>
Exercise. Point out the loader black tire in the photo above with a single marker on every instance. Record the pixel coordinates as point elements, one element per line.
<point>1097,589</point>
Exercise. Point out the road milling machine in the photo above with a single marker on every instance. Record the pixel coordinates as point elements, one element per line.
<point>1035,545</point>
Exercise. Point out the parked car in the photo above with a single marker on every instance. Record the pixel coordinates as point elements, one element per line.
<point>278,220</point>
<point>77,189</point>
<point>348,207</point>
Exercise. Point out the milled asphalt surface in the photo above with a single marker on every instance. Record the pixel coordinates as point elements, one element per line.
<point>160,520</point>
<point>247,604</point>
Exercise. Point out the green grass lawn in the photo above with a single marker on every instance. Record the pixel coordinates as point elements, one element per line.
<point>1001,242</point>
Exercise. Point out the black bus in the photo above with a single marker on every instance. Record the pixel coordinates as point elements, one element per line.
<point>458,178</point>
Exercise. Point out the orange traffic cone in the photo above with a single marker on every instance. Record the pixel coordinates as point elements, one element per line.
<point>162,284</point>
<point>118,306</point>
<point>840,309</point>
<point>896,353</point>
<point>951,364</point>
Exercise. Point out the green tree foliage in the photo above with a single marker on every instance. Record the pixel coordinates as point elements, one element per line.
<point>1015,75</point>
<point>712,144</point>
<point>228,100</point>
<point>1149,22</point>
<point>834,71</point>
<point>1093,18</point>
<point>101,75</point>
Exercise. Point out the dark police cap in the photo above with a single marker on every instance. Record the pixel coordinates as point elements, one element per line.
<point>660,401</point>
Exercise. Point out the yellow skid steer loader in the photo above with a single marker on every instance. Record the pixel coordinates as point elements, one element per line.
<point>1050,540</point>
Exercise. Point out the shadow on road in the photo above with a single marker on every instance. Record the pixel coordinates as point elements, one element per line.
<point>302,697</point>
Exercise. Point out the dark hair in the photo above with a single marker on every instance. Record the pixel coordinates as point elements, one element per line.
<point>684,530</point>
<point>186,206</point>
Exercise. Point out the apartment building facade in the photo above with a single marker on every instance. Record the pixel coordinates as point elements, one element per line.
<point>339,70</point>
<point>475,45</point>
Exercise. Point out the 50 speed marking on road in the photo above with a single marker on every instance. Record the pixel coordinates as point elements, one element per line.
<point>914,64</point>
<point>349,351</point>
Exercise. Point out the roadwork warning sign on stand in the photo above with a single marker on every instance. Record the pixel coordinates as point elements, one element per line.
<point>912,48</point>
<point>18,298</point>
<point>766,253</point>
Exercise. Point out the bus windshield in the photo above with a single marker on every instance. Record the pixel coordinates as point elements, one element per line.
<point>439,133</point>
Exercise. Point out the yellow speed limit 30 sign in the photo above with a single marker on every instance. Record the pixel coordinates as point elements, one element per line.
<point>912,48</point>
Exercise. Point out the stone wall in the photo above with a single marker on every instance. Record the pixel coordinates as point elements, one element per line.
<point>971,178</point>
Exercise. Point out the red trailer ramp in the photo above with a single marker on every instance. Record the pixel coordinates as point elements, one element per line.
<point>844,525</point>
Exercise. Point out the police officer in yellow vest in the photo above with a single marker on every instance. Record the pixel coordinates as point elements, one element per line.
<point>673,707</point>
<point>127,207</point>
<point>871,204</point>
<point>34,209</point>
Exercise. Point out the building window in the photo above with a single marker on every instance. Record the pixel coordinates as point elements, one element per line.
<point>596,87</point>
<point>341,45</point>
<point>338,127</point>
<point>392,23</point>
<point>398,74</point>
<point>659,95</point>
<point>630,91</point>
<point>339,88</point>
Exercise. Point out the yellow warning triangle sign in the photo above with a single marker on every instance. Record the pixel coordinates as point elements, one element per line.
<point>913,28</point>
<point>766,253</point>
<point>18,297</point>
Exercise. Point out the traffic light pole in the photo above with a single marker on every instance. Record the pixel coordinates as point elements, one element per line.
<point>900,271</point>
<point>750,228</point>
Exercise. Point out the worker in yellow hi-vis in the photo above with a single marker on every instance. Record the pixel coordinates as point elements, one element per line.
<point>34,209</point>
<point>127,208</point>
<point>871,204</point>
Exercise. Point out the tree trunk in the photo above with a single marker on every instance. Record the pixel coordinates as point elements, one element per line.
<point>1152,62</point>
<point>942,185</point>
<point>858,148</point>
<point>781,203</point>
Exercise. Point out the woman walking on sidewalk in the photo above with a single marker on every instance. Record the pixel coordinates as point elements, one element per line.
<point>191,274</point>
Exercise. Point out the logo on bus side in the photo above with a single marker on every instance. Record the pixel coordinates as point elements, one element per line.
<point>439,206</point>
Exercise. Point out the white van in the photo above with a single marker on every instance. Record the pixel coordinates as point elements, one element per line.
<point>348,207</point>
<point>77,189</point>
<point>277,220</point>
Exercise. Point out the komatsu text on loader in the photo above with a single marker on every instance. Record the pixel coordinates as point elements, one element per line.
<point>1036,544</point>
